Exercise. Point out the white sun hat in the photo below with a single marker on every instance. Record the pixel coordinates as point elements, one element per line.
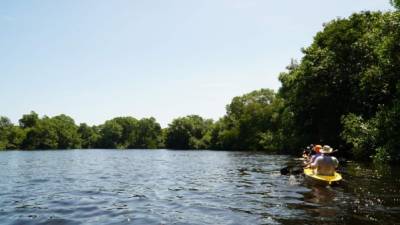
<point>326,149</point>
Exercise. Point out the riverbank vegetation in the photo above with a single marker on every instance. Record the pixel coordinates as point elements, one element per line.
<point>344,92</point>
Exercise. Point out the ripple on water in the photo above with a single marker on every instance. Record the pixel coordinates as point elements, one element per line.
<point>178,187</point>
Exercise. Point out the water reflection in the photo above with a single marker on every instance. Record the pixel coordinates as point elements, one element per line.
<point>320,195</point>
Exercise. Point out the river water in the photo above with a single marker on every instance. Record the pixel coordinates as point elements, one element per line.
<point>186,187</point>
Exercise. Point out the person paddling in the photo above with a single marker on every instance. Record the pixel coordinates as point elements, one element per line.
<point>316,149</point>
<point>307,152</point>
<point>325,164</point>
<point>312,156</point>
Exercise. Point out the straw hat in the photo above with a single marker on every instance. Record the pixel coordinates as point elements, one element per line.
<point>326,149</point>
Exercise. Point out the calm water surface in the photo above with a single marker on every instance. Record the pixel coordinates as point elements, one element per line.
<point>185,187</point>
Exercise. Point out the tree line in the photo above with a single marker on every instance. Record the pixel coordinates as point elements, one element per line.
<point>345,92</point>
<point>61,132</point>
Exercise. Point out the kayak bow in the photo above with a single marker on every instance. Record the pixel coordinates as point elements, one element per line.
<point>329,179</point>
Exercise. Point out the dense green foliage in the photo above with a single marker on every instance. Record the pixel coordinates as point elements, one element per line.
<point>251,123</point>
<point>148,134</point>
<point>89,135</point>
<point>344,92</point>
<point>190,132</point>
<point>61,132</point>
<point>395,3</point>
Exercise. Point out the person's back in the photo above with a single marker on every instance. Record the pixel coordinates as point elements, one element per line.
<point>314,157</point>
<point>325,165</point>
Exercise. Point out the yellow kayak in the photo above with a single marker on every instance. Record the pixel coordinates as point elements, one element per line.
<point>310,173</point>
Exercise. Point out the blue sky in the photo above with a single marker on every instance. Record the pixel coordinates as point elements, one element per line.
<point>97,59</point>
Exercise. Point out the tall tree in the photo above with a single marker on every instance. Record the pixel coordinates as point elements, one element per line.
<point>395,3</point>
<point>43,135</point>
<point>29,120</point>
<point>111,135</point>
<point>350,68</point>
<point>188,133</point>
<point>89,135</point>
<point>5,126</point>
<point>250,123</point>
<point>148,134</point>
<point>16,136</point>
<point>67,132</point>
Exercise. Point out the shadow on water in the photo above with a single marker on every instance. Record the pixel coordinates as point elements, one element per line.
<point>368,194</point>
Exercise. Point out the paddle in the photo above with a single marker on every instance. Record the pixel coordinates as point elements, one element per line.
<point>291,170</point>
